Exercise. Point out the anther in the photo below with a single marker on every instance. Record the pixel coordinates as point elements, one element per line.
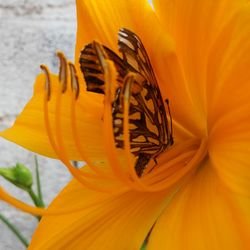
<point>47,80</point>
<point>101,53</point>
<point>110,86</point>
<point>63,72</point>
<point>74,80</point>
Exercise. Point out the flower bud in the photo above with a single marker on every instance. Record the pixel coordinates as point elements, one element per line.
<point>18,175</point>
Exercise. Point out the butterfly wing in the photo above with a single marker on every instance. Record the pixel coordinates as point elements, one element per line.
<point>135,55</point>
<point>145,140</point>
<point>90,64</point>
<point>150,99</point>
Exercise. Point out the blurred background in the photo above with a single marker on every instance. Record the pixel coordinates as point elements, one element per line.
<point>30,33</point>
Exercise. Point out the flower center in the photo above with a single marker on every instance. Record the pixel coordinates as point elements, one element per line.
<point>171,167</point>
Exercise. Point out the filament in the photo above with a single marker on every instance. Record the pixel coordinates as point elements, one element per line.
<point>76,132</point>
<point>50,211</point>
<point>63,155</point>
<point>192,164</point>
<point>60,151</point>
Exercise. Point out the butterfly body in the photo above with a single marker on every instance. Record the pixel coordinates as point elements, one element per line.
<point>149,130</point>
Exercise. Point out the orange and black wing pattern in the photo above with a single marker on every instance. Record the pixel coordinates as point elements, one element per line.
<point>92,70</point>
<point>150,127</point>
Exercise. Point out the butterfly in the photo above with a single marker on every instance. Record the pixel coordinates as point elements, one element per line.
<point>150,123</point>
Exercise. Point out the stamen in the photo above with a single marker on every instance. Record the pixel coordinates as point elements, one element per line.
<point>110,83</point>
<point>60,151</point>
<point>103,58</point>
<point>64,158</point>
<point>63,71</point>
<point>47,81</point>
<point>178,164</point>
<point>63,153</point>
<point>109,73</point>
<point>75,90</point>
<point>101,53</point>
<point>19,204</point>
<point>74,80</point>
<point>45,211</point>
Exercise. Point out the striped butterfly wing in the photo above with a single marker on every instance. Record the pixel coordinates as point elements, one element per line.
<point>144,135</point>
<point>92,70</point>
<point>135,54</point>
<point>149,131</point>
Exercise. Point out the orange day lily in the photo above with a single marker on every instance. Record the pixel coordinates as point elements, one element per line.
<point>198,195</point>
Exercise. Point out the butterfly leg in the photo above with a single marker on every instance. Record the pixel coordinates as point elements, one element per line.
<point>153,167</point>
<point>155,160</point>
<point>171,140</point>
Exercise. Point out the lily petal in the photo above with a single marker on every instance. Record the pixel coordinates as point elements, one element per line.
<point>230,93</point>
<point>228,68</point>
<point>203,215</point>
<point>102,20</point>
<point>194,25</point>
<point>175,88</point>
<point>29,129</point>
<point>110,224</point>
<point>230,152</point>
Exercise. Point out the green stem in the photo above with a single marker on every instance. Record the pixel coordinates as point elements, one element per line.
<point>35,198</point>
<point>36,201</point>
<point>39,189</point>
<point>14,230</point>
<point>144,246</point>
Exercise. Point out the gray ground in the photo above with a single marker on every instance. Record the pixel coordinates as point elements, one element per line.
<point>30,33</point>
